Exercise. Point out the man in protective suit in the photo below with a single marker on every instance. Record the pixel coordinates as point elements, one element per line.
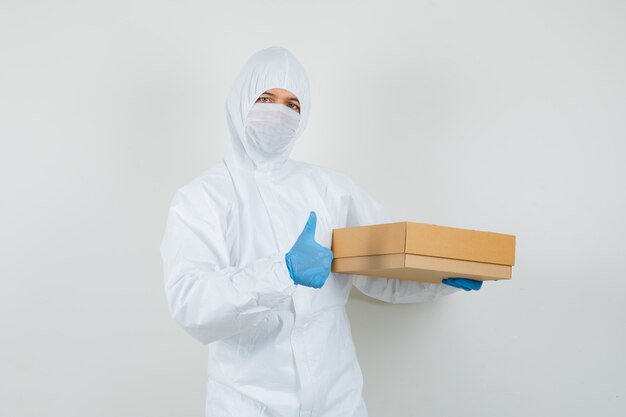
<point>247,261</point>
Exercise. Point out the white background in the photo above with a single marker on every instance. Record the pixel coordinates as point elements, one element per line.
<point>492,115</point>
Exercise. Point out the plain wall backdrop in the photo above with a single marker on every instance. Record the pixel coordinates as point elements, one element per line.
<point>506,116</point>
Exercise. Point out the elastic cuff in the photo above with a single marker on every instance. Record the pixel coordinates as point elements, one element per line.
<point>283,276</point>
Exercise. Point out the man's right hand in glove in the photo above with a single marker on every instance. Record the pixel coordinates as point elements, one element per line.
<point>308,261</point>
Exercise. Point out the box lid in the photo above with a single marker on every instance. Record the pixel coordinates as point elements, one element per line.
<point>424,239</point>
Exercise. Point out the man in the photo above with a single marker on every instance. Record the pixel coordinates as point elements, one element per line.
<point>247,260</point>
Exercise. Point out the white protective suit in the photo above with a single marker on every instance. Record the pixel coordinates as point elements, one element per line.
<point>275,349</point>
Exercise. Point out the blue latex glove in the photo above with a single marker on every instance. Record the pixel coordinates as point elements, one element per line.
<point>463,283</point>
<point>308,261</point>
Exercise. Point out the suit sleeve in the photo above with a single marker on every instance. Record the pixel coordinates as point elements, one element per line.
<point>365,210</point>
<point>207,297</point>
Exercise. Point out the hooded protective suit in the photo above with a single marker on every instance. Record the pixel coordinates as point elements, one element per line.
<point>276,349</point>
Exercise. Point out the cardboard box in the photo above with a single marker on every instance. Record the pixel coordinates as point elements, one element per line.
<point>422,252</point>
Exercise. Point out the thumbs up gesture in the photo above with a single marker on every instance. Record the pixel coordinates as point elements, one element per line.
<point>308,261</point>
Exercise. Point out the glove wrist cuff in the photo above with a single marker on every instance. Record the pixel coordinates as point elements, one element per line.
<point>289,267</point>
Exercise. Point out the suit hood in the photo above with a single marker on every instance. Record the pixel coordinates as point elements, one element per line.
<point>273,67</point>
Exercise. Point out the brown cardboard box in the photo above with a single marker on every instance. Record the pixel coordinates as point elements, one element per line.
<point>422,252</point>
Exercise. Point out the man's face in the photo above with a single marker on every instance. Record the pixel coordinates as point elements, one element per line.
<point>280,96</point>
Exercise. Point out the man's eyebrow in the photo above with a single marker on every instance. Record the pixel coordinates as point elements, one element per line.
<point>274,95</point>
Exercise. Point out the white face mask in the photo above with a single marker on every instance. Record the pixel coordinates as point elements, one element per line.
<point>271,128</point>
